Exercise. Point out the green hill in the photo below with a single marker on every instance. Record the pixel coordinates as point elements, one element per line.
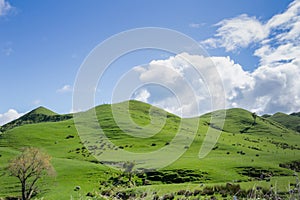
<point>297,114</point>
<point>42,110</point>
<point>38,115</point>
<point>291,121</point>
<point>249,153</point>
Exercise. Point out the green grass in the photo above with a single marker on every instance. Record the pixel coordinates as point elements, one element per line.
<point>289,121</point>
<point>261,144</point>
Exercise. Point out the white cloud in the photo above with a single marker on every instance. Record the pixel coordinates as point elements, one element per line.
<point>241,31</point>
<point>237,32</point>
<point>142,95</point>
<point>283,45</point>
<point>265,90</point>
<point>5,7</point>
<point>287,18</point>
<point>268,89</point>
<point>64,89</point>
<point>233,76</point>
<point>184,89</point>
<point>10,115</point>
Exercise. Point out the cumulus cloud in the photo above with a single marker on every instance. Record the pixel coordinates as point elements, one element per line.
<point>276,89</point>
<point>265,90</point>
<point>64,89</point>
<point>5,7</point>
<point>10,115</point>
<point>184,84</point>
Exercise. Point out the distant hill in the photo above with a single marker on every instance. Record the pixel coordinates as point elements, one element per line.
<point>38,115</point>
<point>239,120</point>
<point>297,114</point>
<point>291,121</point>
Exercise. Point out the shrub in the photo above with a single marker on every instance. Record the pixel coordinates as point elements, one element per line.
<point>89,194</point>
<point>69,137</point>
<point>77,188</point>
<point>197,192</point>
<point>143,195</point>
<point>168,197</point>
<point>188,193</point>
<point>181,192</point>
<point>208,191</point>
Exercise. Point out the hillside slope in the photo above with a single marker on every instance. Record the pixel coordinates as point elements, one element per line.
<point>244,151</point>
<point>291,121</point>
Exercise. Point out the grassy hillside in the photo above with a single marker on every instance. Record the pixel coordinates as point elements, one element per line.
<point>297,114</point>
<point>291,121</point>
<point>246,152</point>
<point>38,115</point>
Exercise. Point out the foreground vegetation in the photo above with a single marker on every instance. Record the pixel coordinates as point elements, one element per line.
<point>253,158</point>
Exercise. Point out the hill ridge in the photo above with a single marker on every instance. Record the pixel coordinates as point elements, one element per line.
<point>291,121</point>
<point>37,115</point>
<point>43,114</point>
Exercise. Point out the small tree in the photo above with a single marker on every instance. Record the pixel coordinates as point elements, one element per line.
<point>128,170</point>
<point>254,115</point>
<point>29,167</point>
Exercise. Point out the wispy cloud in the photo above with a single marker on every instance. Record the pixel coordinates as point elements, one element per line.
<point>5,7</point>
<point>142,95</point>
<point>283,45</point>
<point>195,25</point>
<point>278,33</point>
<point>10,115</point>
<point>7,51</point>
<point>36,102</point>
<point>237,32</point>
<point>64,89</point>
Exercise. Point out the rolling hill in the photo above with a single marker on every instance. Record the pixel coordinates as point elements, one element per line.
<point>291,121</point>
<point>247,152</point>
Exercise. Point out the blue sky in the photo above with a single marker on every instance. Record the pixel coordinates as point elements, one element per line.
<point>43,44</point>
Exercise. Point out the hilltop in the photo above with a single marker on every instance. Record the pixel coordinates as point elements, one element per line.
<point>249,151</point>
<point>38,115</point>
